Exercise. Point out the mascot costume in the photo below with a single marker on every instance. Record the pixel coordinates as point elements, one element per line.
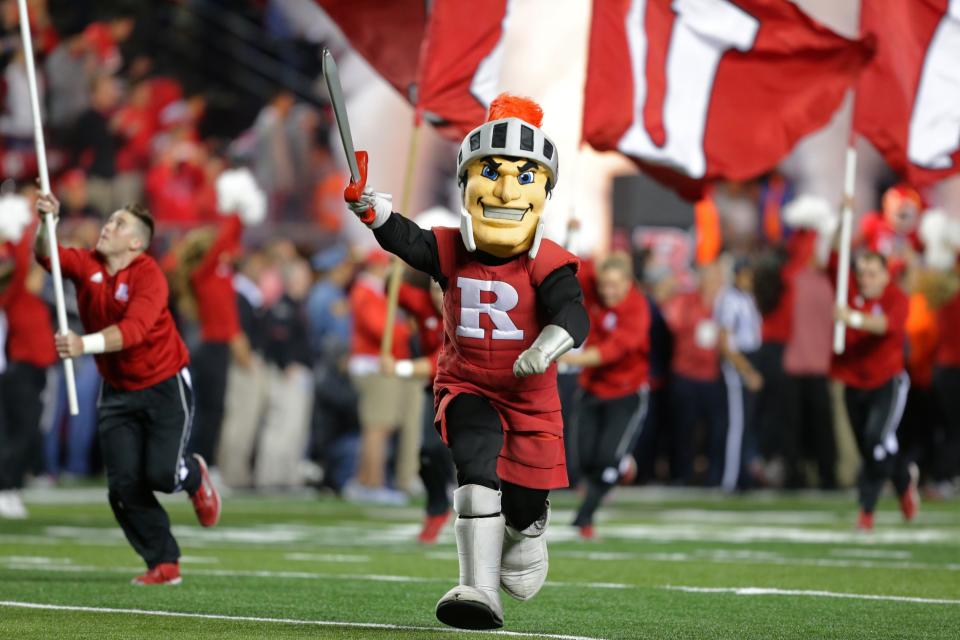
<point>511,306</point>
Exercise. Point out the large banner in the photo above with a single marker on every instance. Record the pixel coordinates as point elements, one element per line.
<point>700,89</point>
<point>908,98</point>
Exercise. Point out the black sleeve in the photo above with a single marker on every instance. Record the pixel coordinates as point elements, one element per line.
<point>415,246</point>
<point>561,296</point>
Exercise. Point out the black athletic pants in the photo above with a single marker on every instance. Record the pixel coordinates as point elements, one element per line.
<point>22,387</point>
<point>606,431</point>
<point>875,415</point>
<point>946,383</point>
<point>436,464</point>
<point>808,427</point>
<point>143,435</point>
<point>691,402</point>
<point>210,364</point>
<point>475,436</point>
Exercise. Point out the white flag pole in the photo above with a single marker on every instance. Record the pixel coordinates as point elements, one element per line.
<point>846,233</point>
<point>48,219</point>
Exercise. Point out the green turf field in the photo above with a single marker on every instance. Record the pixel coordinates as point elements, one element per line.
<point>670,565</point>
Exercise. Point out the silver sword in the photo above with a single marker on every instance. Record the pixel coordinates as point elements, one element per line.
<point>332,78</point>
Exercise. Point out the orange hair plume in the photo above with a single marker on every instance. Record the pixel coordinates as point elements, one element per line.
<point>507,105</point>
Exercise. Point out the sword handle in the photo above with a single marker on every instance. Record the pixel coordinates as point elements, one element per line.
<point>354,190</point>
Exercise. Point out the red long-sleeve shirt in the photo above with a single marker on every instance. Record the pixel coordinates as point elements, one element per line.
<point>948,346</point>
<point>622,336</point>
<point>695,353</point>
<point>29,327</point>
<point>870,360</point>
<point>134,299</point>
<point>369,307</point>
<point>212,283</point>
<point>418,303</point>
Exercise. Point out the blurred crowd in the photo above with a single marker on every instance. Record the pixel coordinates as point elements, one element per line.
<point>292,388</point>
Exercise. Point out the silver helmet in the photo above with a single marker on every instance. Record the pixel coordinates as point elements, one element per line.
<point>509,137</point>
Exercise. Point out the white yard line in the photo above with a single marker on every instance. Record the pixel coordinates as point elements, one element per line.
<point>301,575</point>
<point>763,591</point>
<point>325,557</point>
<point>318,623</point>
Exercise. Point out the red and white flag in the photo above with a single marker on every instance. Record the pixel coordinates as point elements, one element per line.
<point>908,98</point>
<point>700,89</point>
<point>461,59</point>
<point>386,34</point>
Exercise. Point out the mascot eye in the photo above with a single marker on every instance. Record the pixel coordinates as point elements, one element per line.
<point>525,178</point>
<point>489,172</point>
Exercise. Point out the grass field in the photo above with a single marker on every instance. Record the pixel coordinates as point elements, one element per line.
<point>669,565</point>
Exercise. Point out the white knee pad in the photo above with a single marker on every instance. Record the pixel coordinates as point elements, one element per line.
<point>524,561</point>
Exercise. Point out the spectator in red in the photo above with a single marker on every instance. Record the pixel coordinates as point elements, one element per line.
<point>892,232</point>
<point>423,300</point>
<point>206,275</point>
<point>386,402</point>
<point>76,201</point>
<point>29,352</point>
<point>808,419</point>
<point>946,379</point>
<point>696,392</point>
<point>872,368</point>
<point>615,363</point>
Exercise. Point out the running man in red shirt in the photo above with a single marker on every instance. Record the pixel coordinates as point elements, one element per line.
<point>511,306</point>
<point>616,365</point>
<point>872,369</point>
<point>146,401</point>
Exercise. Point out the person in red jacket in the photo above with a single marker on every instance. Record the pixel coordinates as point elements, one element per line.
<point>146,401</point>
<point>872,369</point>
<point>511,306</point>
<point>614,380</point>
<point>206,275</point>
<point>29,352</point>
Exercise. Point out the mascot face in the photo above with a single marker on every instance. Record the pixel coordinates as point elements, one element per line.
<point>505,197</point>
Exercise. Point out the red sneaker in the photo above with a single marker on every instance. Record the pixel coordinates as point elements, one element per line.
<point>865,521</point>
<point>587,532</point>
<point>431,528</point>
<point>628,470</point>
<point>910,499</point>
<point>163,573</point>
<point>206,500</point>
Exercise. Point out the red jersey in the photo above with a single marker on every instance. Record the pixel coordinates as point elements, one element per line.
<point>880,236</point>
<point>490,316</point>
<point>134,299</point>
<point>212,283</point>
<point>948,321</point>
<point>29,327</point>
<point>418,303</point>
<point>368,304</point>
<point>622,335</point>
<point>870,360</point>
<point>695,334</point>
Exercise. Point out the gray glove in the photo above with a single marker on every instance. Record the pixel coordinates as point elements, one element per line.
<point>380,203</point>
<point>552,343</point>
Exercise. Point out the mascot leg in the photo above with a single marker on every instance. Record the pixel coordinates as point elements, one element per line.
<point>475,602</point>
<point>523,568</point>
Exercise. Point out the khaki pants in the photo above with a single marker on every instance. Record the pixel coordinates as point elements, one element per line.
<point>283,440</point>
<point>246,401</point>
<point>848,456</point>
<point>388,402</point>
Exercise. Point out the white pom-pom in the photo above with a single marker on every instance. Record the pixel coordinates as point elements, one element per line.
<point>237,192</point>
<point>15,217</point>
<point>808,212</point>
<point>939,234</point>
<point>437,217</point>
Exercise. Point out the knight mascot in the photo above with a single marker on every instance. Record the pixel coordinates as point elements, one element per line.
<point>511,306</point>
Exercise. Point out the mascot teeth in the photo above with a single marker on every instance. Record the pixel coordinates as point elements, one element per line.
<point>503,213</point>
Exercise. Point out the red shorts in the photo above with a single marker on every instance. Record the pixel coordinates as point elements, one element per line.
<point>533,455</point>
